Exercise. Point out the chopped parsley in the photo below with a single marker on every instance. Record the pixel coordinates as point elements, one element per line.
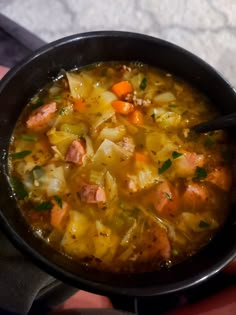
<point>203,224</point>
<point>173,105</point>
<point>143,84</point>
<point>19,188</point>
<point>57,97</point>
<point>29,138</point>
<point>62,111</point>
<point>44,206</point>
<point>20,155</point>
<point>168,196</point>
<point>200,172</point>
<point>58,201</point>
<point>167,164</point>
<point>176,154</point>
<point>38,103</point>
<point>153,116</point>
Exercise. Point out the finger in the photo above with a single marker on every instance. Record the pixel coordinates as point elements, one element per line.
<point>231,268</point>
<point>3,71</point>
<point>218,304</point>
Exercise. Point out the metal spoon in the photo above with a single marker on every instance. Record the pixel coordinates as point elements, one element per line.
<point>223,122</point>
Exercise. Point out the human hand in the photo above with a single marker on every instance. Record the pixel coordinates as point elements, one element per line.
<point>3,71</point>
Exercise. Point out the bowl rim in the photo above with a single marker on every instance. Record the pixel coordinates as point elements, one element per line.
<point>65,275</point>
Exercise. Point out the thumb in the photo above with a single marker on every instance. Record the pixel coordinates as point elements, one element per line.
<point>3,71</point>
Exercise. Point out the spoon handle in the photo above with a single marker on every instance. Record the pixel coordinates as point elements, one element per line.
<point>223,122</point>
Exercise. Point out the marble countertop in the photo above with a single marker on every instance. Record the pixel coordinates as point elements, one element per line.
<point>204,27</point>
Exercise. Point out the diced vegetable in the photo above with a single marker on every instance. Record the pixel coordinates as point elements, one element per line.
<point>80,85</point>
<point>73,240</point>
<point>114,134</point>
<point>110,155</point>
<point>122,107</point>
<point>61,139</point>
<point>58,213</point>
<point>79,105</point>
<point>136,117</point>
<point>80,129</point>
<point>165,97</point>
<point>121,89</point>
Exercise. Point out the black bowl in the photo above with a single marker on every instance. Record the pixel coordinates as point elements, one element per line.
<point>23,81</point>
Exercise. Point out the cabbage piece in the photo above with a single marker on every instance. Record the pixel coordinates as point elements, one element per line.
<point>169,120</point>
<point>160,146</point>
<point>195,222</point>
<point>165,97</point>
<point>99,109</point>
<point>80,129</point>
<point>75,240</point>
<point>61,139</point>
<point>54,180</point>
<point>126,239</point>
<point>111,188</point>
<point>89,147</point>
<point>114,134</point>
<point>110,155</point>
<point>80,84</point>
<point>144,177</point>
<point>97,177</point>
<point>105,242</point>
<point>129,126</point>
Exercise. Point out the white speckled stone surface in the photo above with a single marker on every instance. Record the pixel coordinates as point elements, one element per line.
<point>205,27</point>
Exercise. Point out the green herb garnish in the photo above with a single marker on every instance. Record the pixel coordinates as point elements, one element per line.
<point>62,111</point>
<point>58,201</point>
<point>57,97</point>
<point>153,116</point>
<point>176,154</point>
<point>29,138</point>
<point>143,84</point>
<point>19,188</point>
<point>46,205</point>
<point>38,103</point>
<point>168,196</point>
<point>173,105</point>
<point>167,164</point>
<point>209,142</point>
<point>200,172</point>
<point>20,155</point>
<point>203,224</point>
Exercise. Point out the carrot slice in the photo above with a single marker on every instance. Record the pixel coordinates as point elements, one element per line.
<point>122,88</point>
<point>136,117</point>
<point>58,214</point>
<point>79,105</point>
<point>122,107</point>
<point>141,157</point>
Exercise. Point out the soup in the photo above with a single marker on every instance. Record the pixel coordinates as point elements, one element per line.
<point>107,171</point>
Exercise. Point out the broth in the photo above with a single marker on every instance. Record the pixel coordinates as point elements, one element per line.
<point>107,171</point>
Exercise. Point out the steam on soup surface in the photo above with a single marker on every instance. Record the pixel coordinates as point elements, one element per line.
<point>107,171</point>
